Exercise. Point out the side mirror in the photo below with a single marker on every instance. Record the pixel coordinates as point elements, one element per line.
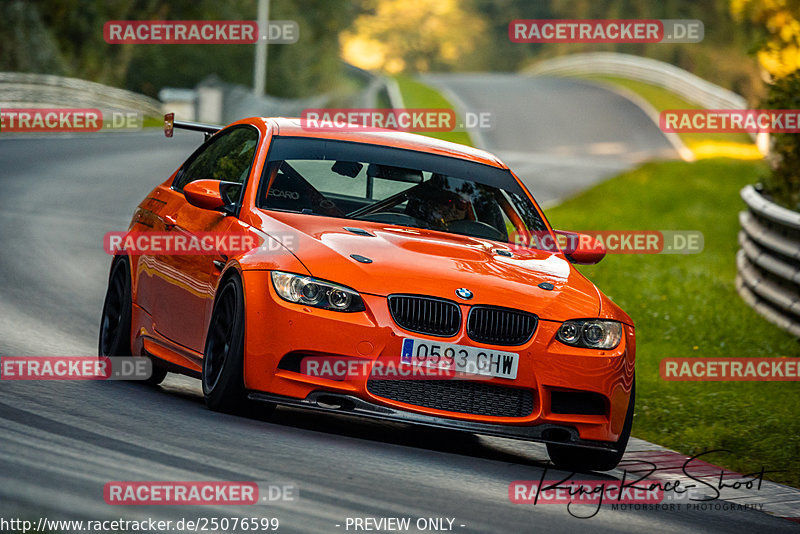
<point>582,248</point>
<point>211,194</point>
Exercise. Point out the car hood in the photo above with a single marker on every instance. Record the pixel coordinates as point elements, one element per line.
<point>426,262</point>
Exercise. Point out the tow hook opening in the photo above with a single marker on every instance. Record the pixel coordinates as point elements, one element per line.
<point>557,434</point>
<point>332,402</point>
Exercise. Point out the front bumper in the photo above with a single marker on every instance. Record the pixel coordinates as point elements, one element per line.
<point>276,329</point>
<point>350,405</point>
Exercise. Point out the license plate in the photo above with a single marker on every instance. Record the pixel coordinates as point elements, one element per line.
<point>459,358</point>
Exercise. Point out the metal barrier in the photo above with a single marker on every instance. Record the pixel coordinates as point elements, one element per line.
<point>768,262</point>
<point>211,101</point>
<point>670,77</point>
<point>220,102</point>
<point>35,90</point>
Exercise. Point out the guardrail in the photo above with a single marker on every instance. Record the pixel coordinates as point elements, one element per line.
<point>218,102</point>
<point>768,262</point>
<point>228,102</point>
<point>35,90</point>
<point>670,77</point>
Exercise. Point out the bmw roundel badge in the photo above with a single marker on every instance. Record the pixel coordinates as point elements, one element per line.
<point>464,293</point>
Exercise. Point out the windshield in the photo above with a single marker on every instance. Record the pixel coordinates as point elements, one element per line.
<point>395,186</point>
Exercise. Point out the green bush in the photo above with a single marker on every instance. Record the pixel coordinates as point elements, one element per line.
<point>783,183</point>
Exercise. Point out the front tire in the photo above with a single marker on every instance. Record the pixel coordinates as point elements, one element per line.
<point>577,459</point>
<point>223,356</point>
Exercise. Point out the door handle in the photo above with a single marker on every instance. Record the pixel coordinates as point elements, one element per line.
<point>170,222</point>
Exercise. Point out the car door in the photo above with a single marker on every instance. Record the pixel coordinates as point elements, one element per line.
<point>184,288</point>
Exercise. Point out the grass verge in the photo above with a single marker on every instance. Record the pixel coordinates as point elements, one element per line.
<point>687,305</point>
<point>418,95</point>
<point>153,122</point>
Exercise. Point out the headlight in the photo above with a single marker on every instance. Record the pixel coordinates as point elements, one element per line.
<point>590,333</point>
<point>306,290</point>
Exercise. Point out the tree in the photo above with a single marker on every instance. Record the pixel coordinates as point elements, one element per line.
<point>420,36</point>
<point>28,45</point>
<point>783,184</point>
<point>779,45</point>
<point>65,37</point>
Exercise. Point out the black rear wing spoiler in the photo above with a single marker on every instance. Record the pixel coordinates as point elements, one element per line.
<point>170,124</point>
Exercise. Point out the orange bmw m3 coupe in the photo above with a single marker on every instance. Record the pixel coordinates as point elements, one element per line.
<point>386,275</point>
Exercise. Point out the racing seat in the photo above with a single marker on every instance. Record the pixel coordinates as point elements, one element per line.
<point>290,191</point>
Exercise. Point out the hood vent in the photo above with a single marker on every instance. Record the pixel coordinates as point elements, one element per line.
<point>358,231</point>
<point>361,259</point>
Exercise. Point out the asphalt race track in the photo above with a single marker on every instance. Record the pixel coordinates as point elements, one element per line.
<point>61,442</point>
<point>559,135</point>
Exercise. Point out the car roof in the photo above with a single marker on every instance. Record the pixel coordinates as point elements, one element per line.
<point>291,127</point>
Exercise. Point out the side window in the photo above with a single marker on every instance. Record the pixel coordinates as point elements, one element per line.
<point>228,158</point>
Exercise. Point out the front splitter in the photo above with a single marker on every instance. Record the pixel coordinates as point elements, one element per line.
<point>339,403</point>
